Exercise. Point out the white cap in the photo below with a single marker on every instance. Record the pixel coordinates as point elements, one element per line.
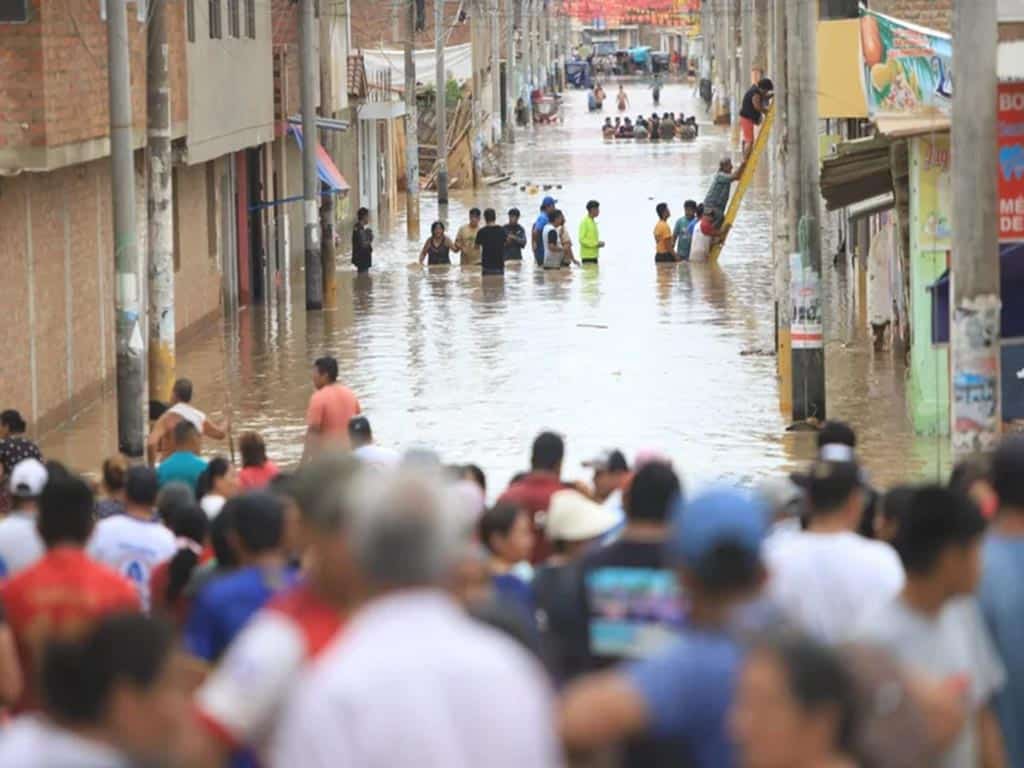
<point>28,478</point>
<point>573,517</point>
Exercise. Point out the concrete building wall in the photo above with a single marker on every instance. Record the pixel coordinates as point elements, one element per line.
<point>230,84</point>
<point>936,14</point>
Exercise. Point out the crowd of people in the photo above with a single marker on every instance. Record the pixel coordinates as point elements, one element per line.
<point>665,128</point>
<point>490,246</point>
<point>485,244</point>
<point>370,608</point>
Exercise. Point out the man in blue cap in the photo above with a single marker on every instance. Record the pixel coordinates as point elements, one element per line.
<point>547,205</point>
<point>681,697</point>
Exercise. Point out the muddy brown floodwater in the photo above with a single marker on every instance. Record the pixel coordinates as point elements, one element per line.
<point>627,355</point>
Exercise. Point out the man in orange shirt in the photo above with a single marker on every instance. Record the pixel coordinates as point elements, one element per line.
<point>663,236</point>
<point>65,591</point>
<point>331,407</point>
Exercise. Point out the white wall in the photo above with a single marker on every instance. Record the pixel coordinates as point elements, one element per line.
<point>230,85</point>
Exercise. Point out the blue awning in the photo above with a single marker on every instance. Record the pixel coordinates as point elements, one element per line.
<point>328,172</point>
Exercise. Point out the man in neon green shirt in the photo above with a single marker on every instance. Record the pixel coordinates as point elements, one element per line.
<point>590,241</point>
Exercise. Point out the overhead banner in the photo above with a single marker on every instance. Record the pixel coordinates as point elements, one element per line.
<point>1011,162</point>
<point>907,69</point>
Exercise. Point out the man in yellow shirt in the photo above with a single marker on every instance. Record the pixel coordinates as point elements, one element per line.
<point>590,240</point>
<point>663,236</point>
<point>465,240</point>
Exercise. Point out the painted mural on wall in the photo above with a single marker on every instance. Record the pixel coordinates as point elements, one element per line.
<point>907,69</point>
<point>934,193</point>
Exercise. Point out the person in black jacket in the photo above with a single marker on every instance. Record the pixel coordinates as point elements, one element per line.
<point>362,242</point>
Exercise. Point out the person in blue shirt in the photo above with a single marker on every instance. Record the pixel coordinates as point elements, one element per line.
<point>547,206</point>
<point>1000,593</point>
<point>184,465</point>
<point>223,606</point>
<point>682,695</point>
<point>683,232</point>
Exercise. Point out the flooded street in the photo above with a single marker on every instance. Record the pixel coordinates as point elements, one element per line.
<point>625,355</point>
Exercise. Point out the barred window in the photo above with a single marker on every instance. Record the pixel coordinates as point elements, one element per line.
<point>216,28</point>
<point>250,19</point>
<point>233,25</point>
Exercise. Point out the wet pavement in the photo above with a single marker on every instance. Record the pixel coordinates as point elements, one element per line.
<point>627,354</point>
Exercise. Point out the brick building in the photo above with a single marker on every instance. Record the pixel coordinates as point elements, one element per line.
<point>57,253</point>
<point>936,14</point>
<point>377,24</point>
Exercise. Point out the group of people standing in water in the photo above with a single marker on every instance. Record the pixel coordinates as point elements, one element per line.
<point>665,128</point>
<point>492,245</point>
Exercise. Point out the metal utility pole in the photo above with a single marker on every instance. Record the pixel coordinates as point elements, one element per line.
<point>730,51</point>
<point>442,104</point>
<point>310,179</point>
<point>545,42</point>
<point>131,344</point>
<point>976,415</point>
<point>780,204</point>
<point>159,211</point>
<point>538,44</point>
<point>477,95</point>
<point>747,47</point>
<point>510,71</point>
<point>526,31</point>
<point>412,148</point>
<point>807,318</point>
<point>495,10</point>
<point>329,13</point>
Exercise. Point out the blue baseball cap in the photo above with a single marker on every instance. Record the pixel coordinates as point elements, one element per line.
<point>716,516</point>
<point>549,200</point>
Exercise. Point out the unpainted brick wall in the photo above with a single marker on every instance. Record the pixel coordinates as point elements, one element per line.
<point>53,74</point>
<point>22,108</point>
<point>75,71</point>
<point>373,25</point>
<point>936,14</point>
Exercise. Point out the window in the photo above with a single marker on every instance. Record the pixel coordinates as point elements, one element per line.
<point>14,11</point>
<point>233,18</point>
<point>216,30</point>
<point>190,19</point>
<point>250,19</point>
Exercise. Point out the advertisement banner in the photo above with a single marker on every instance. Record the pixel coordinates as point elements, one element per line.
<point>806,330</point>
<point>934,193</point>
<point>907,69</point>
<point>1011,162</point>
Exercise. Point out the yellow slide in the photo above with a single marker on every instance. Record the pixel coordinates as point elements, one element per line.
<point>760,148</point>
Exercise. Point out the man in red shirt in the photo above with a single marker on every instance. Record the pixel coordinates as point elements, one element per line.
<point>240,701</point>
<point>65,591</point>
<point>331,407</point>
<point>533,491</point>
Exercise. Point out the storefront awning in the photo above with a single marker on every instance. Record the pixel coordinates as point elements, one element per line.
<point>905,126</point>
<point>858,170</point>
<point>325,167</point>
